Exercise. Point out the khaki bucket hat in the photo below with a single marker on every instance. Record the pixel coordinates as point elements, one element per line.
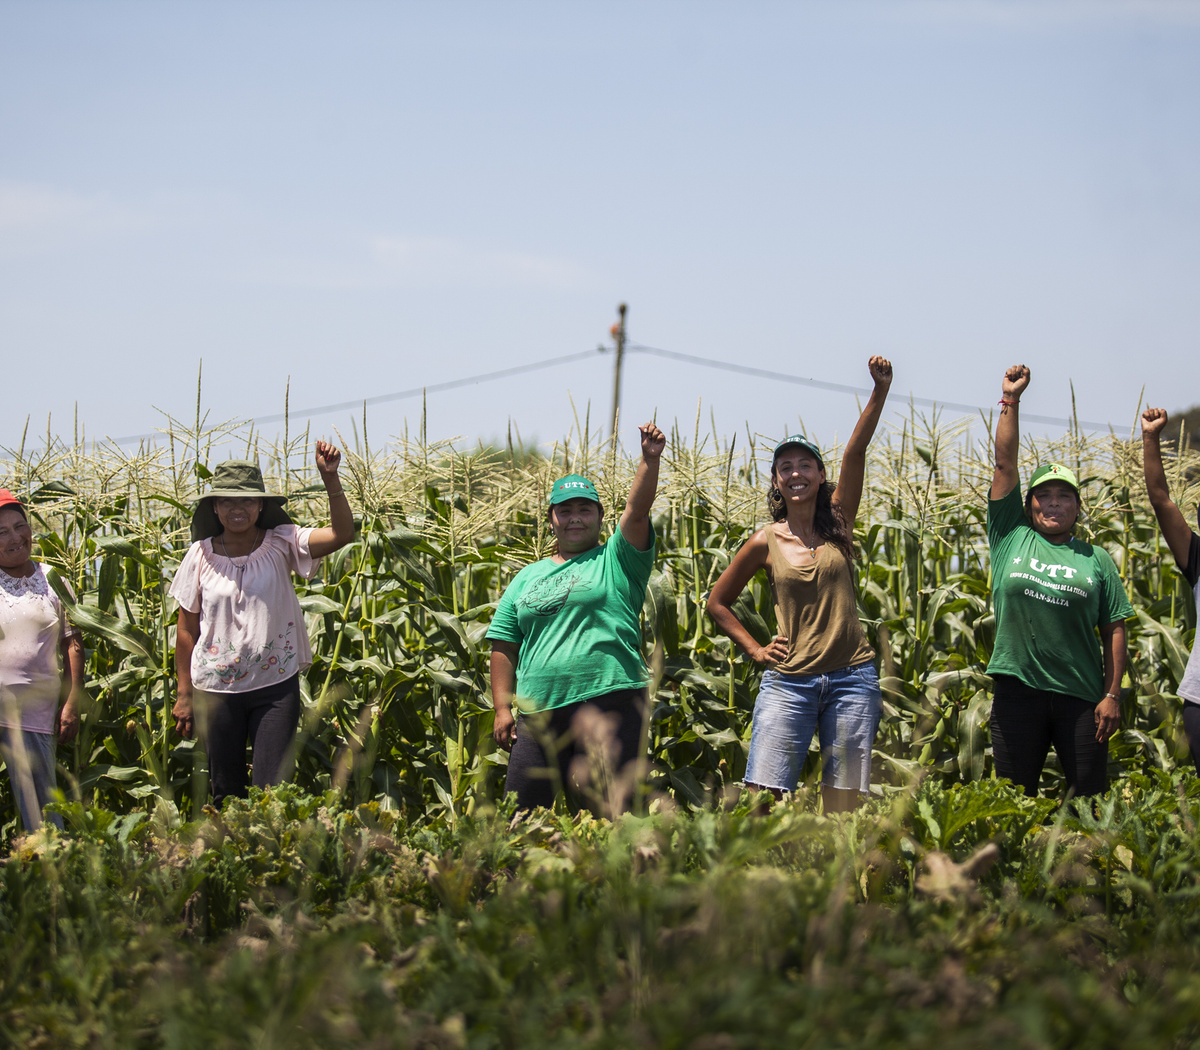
<point>237,479</point>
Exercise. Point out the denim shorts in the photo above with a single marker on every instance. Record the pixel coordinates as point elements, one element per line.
<point>842,706</point>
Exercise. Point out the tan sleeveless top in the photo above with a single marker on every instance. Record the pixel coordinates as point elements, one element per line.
<point>816,608</point>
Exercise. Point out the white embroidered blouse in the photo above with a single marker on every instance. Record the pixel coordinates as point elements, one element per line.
<point>33,626</point>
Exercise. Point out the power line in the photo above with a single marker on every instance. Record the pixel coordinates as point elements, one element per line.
<point>378,399</point>
<point>821,384</point>
<point>640,348</point>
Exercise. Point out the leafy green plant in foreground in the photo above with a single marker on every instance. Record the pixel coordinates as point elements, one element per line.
<point>294,920</point>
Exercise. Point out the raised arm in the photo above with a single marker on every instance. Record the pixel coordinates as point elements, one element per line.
<point>731,583</point>
<point>635,519</point>
<point>332,537</point>
<point>1008,432</point>
<point>848,493</point>
<point>1175,528</point>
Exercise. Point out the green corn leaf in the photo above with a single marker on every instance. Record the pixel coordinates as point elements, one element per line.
<point>123,547</point>
<point>972,738</point>
<point>93,619</point>
<point>319,603</point>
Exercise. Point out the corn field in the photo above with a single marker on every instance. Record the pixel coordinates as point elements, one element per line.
<point>398,712</point>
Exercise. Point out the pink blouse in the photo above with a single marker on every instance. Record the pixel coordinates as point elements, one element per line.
<point>32,629</point>
<point>251,628</point>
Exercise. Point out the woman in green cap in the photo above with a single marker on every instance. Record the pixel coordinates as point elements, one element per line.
<point>566,641</point>
<point>1060,621</point>
<point>240,639</point>
<point>820,672</point>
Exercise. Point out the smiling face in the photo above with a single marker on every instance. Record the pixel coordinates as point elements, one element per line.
<point>237,516</point>
<point>797,475</point>
<point>1053,510</point>
<point>576,525</point>
<point>16,540</point>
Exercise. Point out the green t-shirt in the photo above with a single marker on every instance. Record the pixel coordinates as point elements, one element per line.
<point>1049,600</point>
<point>578,624</point>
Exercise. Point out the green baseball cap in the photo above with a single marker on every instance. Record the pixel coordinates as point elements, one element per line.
<point>573,486</point>
<point>802,442</point>
<point>1053,472</point>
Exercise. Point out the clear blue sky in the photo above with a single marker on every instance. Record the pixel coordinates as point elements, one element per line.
<point>375,196</point>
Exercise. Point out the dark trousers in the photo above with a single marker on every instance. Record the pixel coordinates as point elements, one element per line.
<point>562,747</point>
<point>1026,721</point>
<point>267,718</point>
<point>1191,727</point>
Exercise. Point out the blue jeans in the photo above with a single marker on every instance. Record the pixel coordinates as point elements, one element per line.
<point>843,706</point>
<point>31,771</point>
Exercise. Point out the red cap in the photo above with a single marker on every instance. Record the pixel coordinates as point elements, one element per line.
<point>7,497</point>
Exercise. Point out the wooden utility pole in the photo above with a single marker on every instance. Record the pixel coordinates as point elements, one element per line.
<point>618,334</point>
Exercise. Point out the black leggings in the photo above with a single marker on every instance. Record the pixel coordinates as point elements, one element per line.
<point>564,734</point>
<point>1026,721</point>
<point>266,717</point>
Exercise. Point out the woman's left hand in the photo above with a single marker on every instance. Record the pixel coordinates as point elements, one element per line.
<point>329,458</point>
<point>653,441</point>
<point>1108,718</point>
<point>881,371</point>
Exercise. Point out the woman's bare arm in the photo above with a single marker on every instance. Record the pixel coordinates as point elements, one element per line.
<point>730,584</point>
<point>1175,529</point>
<point>848,493</point>
<point>187,632</point>
<point>340,531</point>
<point>1008,432</point>
<point>504,687</point>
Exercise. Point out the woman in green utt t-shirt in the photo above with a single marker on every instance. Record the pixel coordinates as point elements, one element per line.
<point>566,642</point>
<point>1056,680</point>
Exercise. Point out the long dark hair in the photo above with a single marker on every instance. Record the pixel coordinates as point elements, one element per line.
<point>828,522</point>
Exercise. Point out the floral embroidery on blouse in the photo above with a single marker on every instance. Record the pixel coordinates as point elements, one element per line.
<point>222,660</point>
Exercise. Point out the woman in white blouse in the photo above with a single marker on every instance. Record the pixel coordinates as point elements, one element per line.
<point>37,645</point>
<point>240,641</point>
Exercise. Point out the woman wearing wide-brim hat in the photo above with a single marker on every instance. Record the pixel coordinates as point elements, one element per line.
<point>1060,621</point>
<point>240,641</point>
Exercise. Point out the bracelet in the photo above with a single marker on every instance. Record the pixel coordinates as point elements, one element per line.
<point>1112,696</point>
<point>1012,403</point>
<point>331,494</point>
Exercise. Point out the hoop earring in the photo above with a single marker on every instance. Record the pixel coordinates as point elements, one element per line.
<point>774,500</point>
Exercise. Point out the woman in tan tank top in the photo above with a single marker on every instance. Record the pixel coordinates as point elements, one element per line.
<point>820,672</point>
